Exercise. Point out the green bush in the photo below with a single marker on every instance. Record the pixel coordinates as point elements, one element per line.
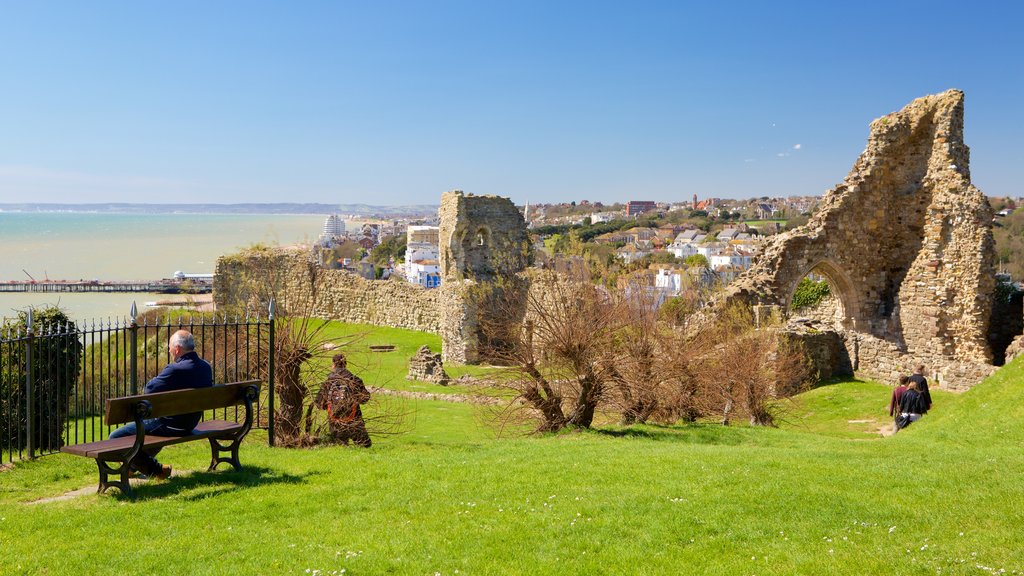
<point>56,351</point>
<point>810,293</point>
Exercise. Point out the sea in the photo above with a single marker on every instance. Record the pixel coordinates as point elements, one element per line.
<point>111,247</point>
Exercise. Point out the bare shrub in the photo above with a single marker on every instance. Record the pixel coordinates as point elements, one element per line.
<point>558,341</point>
<point>641,377</point>
<point>742,370</point>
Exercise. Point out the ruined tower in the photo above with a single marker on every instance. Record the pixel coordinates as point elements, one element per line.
<point>481,238</point>
<point>905,243</point>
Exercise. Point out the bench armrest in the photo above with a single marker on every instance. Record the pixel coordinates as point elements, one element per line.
<point>141,410</point>
<point>251,393</point>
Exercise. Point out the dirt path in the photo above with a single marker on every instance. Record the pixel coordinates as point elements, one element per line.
<point>438,397</point>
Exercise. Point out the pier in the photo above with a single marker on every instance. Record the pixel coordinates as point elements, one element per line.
<point>162,286</point>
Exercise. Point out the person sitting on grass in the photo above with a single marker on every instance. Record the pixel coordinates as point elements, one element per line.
<point>187,370</point>
<point>912,406</point>
<point>894,402</point>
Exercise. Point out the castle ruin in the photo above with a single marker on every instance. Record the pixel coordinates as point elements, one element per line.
<point>905,243</point>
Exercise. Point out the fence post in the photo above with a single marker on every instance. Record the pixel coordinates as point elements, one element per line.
<point>270,377</point>
<point>134,354</point>
<point>30,411</point>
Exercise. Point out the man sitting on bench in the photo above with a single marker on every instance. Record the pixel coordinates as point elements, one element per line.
<point>187,370</point>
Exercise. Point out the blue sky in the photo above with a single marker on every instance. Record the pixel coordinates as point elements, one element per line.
<point>395,102</point>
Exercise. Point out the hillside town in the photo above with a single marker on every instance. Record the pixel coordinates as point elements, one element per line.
<point>658,240</point>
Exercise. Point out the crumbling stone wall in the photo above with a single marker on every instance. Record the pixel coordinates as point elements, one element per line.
<point>824,348</point>
<point>248,278</point>
<point>905,242</point>
<point>483,239</point>
<point>427,367</point>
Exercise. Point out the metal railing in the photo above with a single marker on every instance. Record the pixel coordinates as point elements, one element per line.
<point>55,377</point>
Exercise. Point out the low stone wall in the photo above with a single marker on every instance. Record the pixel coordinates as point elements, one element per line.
<point>883,361</point>
<point>249,278</point>
<point>825,350</point>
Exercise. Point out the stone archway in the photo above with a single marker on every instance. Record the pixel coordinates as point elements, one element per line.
<point>836,312</point>
<point>906,241</point>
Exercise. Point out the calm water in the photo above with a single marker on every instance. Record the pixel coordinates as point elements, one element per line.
<point>74,246</point>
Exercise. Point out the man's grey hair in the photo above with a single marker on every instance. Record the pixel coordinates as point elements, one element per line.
<point>184,339</point>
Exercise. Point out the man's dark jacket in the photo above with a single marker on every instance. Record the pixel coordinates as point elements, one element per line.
<point>188,371</point>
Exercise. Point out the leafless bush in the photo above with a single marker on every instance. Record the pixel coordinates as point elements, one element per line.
<point>574,348</point>
<point>558,342</point>
<point>741,370</point>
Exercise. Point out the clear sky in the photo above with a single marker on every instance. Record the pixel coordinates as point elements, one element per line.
<point>395,102</point>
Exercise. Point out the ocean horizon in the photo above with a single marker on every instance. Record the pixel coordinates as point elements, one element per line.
<point>123,247</point>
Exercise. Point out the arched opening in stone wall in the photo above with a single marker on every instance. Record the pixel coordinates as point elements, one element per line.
<point>478,248</point>
<point>825,294</point>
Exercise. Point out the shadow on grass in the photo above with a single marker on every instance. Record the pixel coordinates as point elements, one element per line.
<point>201,485</point>
<point>699,433</point>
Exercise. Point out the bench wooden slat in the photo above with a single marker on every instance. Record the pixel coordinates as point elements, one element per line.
<point>121,410</point>
<point>116,447</point>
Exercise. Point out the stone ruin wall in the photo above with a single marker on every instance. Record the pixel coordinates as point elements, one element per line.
<point>340,295</point>
<point>905,243</point>
<point>482,237</point>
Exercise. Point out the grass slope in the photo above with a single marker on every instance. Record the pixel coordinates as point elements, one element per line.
<point>818,495</point>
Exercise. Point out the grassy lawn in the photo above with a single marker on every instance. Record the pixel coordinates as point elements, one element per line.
<point>821,494</point>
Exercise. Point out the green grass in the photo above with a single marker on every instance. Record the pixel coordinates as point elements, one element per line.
<point>388,369</point>
<point>819,495</point>
<point>848,409</point>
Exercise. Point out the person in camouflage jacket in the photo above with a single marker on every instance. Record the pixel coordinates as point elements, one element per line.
<point>340,395</point>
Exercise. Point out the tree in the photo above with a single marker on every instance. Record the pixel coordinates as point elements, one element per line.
<point>809,293</point>
<point>796,222</point>
<point>557,342</point>
<point>392,247</point>
<point>697,261</point>
<point>664,258</point>
<point>640,375</point>
<point>56,353</point>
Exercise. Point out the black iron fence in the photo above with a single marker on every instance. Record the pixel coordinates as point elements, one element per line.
<point>55,376</point>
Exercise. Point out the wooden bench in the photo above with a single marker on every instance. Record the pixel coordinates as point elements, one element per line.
<point>138,408</point>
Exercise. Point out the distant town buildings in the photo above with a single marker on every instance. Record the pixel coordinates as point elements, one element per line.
<point>422,256</point>
<point>637,207</point>
<point>728,251</point>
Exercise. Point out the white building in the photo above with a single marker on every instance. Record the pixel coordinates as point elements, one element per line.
<point>682,249</point>
<point>422,255</point>
<point>334,226</point>
<point>670,280</point>
<point>426,273</point>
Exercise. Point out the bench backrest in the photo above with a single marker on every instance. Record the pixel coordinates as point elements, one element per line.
<point>121,410</point>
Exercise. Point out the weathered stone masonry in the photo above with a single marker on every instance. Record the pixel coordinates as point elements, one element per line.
<point>906,245</point>
<point>482,237</point>
<point>339,295</point>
